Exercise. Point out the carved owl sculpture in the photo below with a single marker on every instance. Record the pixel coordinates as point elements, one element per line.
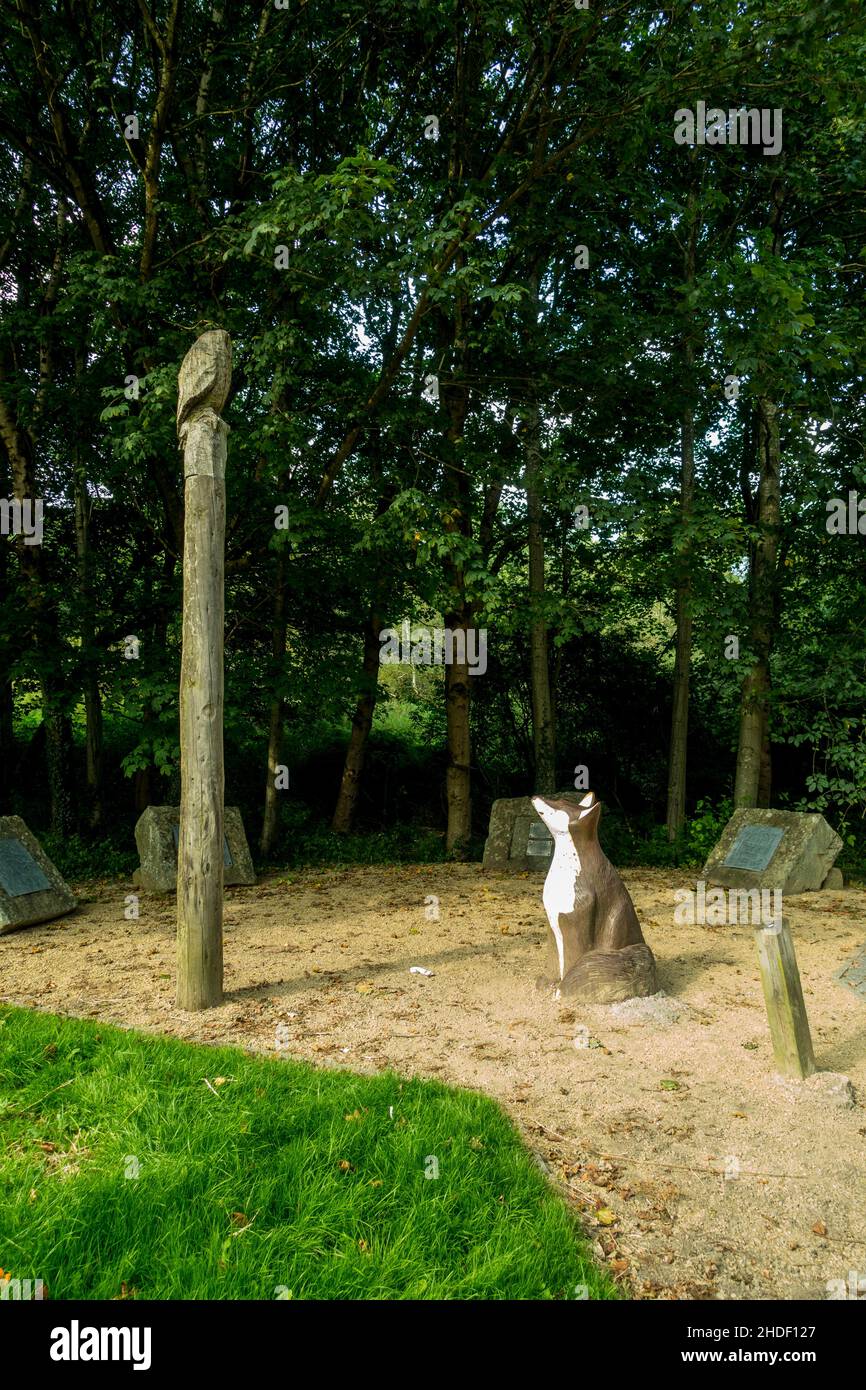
<point>205,376</point>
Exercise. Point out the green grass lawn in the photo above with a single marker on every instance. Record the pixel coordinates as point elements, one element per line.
<point>277,1180</point>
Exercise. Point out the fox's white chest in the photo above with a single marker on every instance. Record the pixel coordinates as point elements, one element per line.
<point>559,889</point>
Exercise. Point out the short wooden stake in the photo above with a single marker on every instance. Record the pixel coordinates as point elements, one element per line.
<point>205,377</point>
<point>783,995</point>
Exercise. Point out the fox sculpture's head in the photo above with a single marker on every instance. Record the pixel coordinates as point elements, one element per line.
<point>564,818</point>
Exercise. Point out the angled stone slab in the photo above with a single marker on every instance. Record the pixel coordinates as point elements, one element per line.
<point>31,889</point>
<point>789,850</point>
<point>517,838</point>
<point>156,836</point>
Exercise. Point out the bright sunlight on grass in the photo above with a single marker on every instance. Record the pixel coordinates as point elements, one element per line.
<point>142,1167</point>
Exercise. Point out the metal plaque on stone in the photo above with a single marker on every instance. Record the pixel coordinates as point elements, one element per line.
<point>19,872</point>
<point>754,847</point>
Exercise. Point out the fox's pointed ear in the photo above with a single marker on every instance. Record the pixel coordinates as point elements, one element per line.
<point>589,805</point>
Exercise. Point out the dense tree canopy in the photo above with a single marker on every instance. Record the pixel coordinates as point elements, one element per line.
<point>508,357</point>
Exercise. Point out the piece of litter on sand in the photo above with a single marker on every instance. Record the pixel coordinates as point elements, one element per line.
<point>419,970</point>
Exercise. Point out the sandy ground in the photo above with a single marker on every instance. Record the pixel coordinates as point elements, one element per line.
<point>699,1172</point>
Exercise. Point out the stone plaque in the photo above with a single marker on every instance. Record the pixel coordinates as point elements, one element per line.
<point>227,854</point>
<point>19,872</point>
<point>157,834</point>
<point>754,847</point>
<point>791,851</point>
<point>31,889</point>
<point>518,839</point>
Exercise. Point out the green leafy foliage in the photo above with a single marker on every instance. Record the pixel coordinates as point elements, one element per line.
<point>287,194</point>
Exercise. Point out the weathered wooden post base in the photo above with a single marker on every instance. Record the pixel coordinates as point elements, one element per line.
<point>783,995</point>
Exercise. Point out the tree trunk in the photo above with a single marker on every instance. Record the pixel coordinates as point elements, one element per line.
<point>676,812</point>
<point>765,779</point>
<point>362,722</point>
<point>753,774</point>
<point>543,733</point>
<point>58,757</point>
<point>458,776</point>
<point>92,697</point>
<point>677,759</point>
<point>44,630</point>
<point>93,751</point>
<point>7,702</point>
<point>142,790</point>
<point>7,744</point>
<point>454,397</point>
<point>458,782</point>
<point>276,722</point>
<point>749,752</point>
<point>754,706</point>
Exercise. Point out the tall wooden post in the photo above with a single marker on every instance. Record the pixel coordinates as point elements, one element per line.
<point>203,385</point>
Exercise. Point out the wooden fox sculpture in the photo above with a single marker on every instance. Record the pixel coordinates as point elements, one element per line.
<point>596,949</point>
